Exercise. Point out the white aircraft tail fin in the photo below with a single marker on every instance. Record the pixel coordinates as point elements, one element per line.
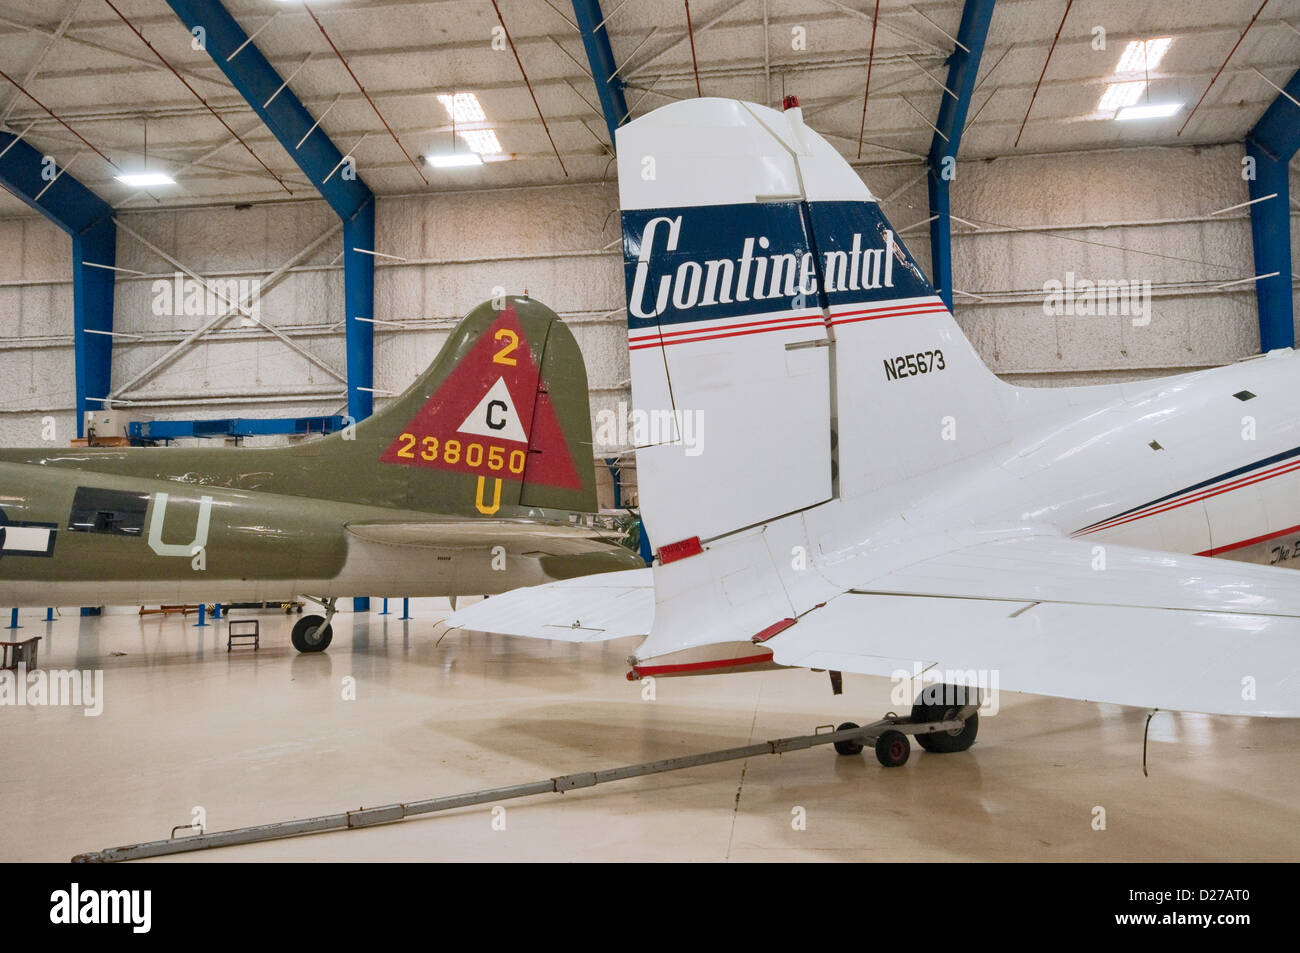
<point>785,348</point>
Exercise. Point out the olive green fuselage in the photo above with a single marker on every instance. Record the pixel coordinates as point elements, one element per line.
<point>259,545</point>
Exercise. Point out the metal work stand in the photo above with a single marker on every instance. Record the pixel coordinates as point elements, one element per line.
<point>244,630</point>
<point>25,653</point>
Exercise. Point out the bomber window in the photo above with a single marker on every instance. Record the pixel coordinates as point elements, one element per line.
<point>117,512</point>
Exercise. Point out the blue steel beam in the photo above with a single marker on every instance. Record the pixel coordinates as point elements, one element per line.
<point>89,220</point>
<point>963,67</point>
<point>154,430</point>
<point>601,57</point>
<point>320,160</point>
<point>1272,143</point>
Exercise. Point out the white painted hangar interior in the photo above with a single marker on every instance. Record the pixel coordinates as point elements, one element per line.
<point>1050,186</point>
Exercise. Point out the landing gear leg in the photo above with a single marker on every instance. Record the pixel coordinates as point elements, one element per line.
<point>313,633</point>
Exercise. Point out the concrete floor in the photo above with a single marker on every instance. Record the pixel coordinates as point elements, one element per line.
<point>262,736</point>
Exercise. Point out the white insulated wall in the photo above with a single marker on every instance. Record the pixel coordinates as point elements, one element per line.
<point>35,330</point>
<point>1134,214</point>
<point>558,244</point>
<point>1137,214</point>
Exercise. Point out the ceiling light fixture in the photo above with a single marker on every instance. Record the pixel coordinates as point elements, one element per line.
<point>454,160</point>
<point>144,180</point>
<point>1149,111</point>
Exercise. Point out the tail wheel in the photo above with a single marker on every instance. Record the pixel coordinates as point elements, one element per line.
<point>311,634</point>
<point>848,747</point>
<point>945,742</point>
<point>893,749</point>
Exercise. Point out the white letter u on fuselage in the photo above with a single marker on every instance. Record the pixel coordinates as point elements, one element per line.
<point>159,516</point>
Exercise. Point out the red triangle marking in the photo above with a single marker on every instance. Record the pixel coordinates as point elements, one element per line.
<point>544,460</point>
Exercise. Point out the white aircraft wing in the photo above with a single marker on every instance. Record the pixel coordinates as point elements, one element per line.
<point>1045,568</point>
<point>1149,629</point>
<point>1046,615</point>
<point>588,609</point>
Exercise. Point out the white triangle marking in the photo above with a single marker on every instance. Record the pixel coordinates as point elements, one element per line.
<point>495,416</point>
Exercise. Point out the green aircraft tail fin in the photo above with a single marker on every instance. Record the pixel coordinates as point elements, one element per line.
<point>500,419</point>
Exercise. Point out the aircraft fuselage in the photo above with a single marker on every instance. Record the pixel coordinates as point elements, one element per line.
<point>81,536</point>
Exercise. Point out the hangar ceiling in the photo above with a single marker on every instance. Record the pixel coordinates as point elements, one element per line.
<point>91,69</point>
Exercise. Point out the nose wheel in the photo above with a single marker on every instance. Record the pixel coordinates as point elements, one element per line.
<point>312,633</point>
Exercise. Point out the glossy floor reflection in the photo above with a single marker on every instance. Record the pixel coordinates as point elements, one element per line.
<point>252,737</point>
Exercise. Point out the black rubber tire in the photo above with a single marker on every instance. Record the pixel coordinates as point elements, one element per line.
<point>318,641</point>
<point>893,749</point>
<point>944,742</point>
<point>848,747</point>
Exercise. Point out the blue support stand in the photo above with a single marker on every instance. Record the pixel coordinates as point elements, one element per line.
<point>216,610</point>
<point>49,614</point>
<point>406,610</point>
<point>13,620</point>
<point>203,616</point>
<point>615,474</point>
<point>385,609</point>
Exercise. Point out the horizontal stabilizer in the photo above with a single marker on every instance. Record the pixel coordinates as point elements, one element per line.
<point>514,534</point>
<point>591,609</point>
<point>1064,617</point>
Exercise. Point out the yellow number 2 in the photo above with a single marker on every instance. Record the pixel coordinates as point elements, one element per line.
<point>512,341</point>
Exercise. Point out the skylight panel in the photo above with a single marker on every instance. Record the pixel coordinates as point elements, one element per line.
<point>1119,95</point>
<point>482,141</point>
<point>463,107</point>
<point>1141,56</point>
